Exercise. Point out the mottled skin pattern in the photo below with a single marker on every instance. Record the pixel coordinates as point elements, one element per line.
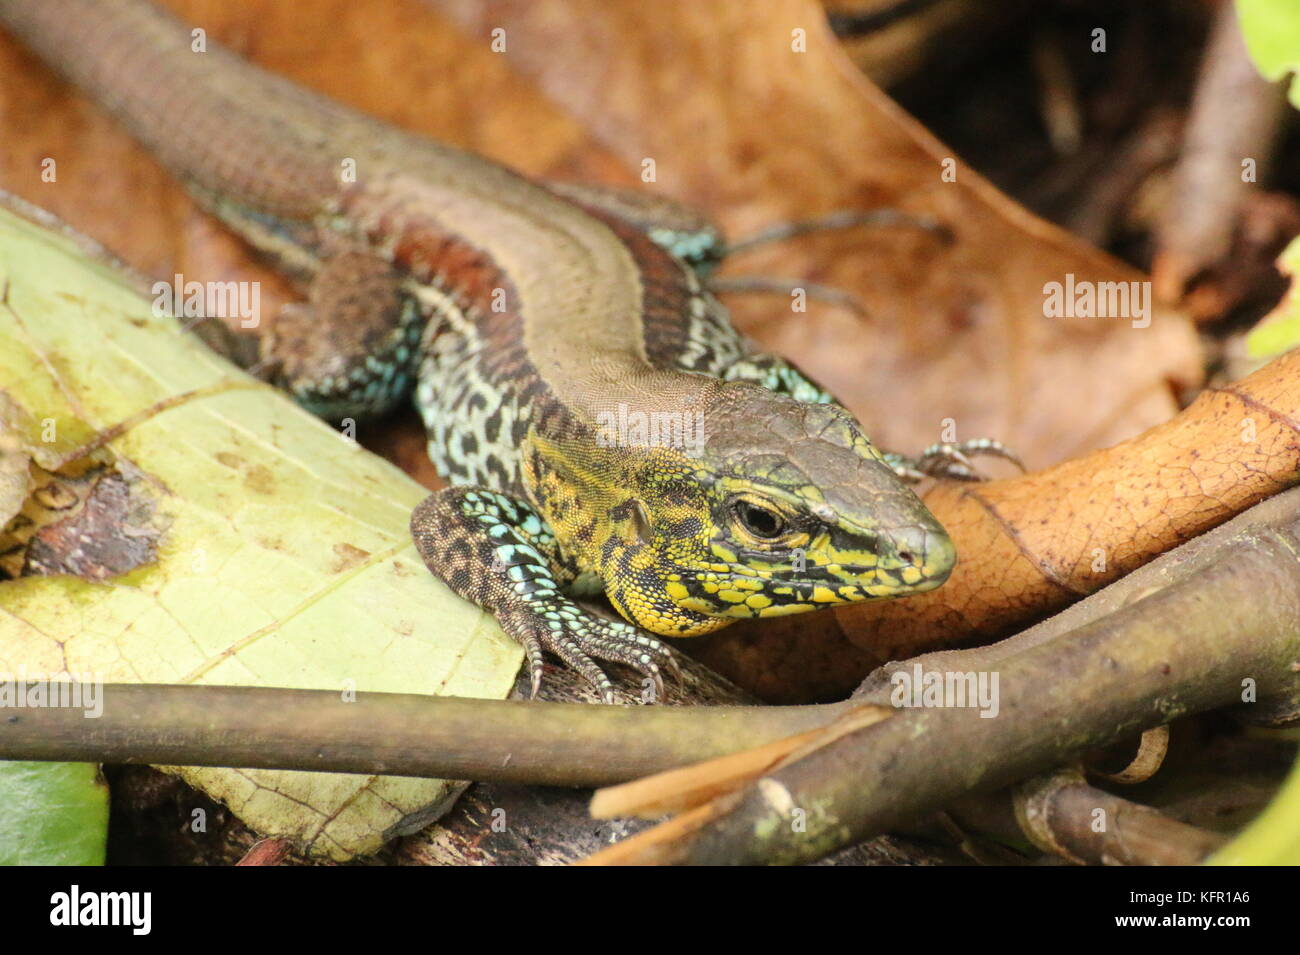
<point>659,527</point>
<point>603,426</point>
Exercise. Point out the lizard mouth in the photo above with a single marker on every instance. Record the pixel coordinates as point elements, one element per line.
<point>743,595</point>
<point>912,575</point>
<point>855,584</point>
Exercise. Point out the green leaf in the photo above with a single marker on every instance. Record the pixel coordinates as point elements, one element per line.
<point>276,552</point>
<point>1274,837</point>
<point>1272,32</point>
<point>1279,330</point>
<point>54,814</point>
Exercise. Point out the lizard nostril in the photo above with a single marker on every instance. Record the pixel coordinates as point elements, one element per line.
<point>905,555</point>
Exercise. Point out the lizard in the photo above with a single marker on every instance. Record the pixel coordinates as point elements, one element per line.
<point>602,426</point>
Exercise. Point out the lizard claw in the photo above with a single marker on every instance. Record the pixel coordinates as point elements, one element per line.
<point>952,461</point>
<point>579,638</point>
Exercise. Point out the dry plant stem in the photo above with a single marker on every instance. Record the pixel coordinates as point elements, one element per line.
<point>1152,749</point>
<point>1229,613</point>
<point>1107,191</point>
<point>890,48</point>
<point>658,846</point>
<point>1058,94</point>
<point>1058,811</point>
<point>680,789</point>
<point>1235,116</point>
<point>558,744</point>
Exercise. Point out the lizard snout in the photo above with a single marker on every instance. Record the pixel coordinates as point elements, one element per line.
<point>924,554</point>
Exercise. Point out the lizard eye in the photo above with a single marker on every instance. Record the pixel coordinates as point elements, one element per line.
<point>759,521</point>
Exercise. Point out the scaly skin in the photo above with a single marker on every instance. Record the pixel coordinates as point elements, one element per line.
<point>601,423</point>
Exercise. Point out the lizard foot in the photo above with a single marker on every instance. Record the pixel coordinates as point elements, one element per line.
<point>952,461</point>
<point>496,551</point>
<point>579,638</point>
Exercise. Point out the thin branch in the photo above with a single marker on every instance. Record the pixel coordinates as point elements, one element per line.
<point>1060,813</point>
<point>395,734</point>
<point>1236,116</point>
<point>1063,815</point>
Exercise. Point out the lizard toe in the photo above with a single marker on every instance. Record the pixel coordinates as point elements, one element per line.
<point>623,643</point>
<point>568,646</point>
<point>525,629</point>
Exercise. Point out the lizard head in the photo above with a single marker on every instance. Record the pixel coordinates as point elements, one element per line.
<point>790,508</point>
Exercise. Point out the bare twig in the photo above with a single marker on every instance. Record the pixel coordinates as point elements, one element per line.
<point>1058,95</point>
<point>1062,814</point>
<point>1235,117</point>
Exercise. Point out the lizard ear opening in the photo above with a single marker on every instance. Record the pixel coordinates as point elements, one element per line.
<point>640,523</point>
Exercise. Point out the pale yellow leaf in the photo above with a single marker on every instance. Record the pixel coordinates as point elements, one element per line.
<point>282,559</point>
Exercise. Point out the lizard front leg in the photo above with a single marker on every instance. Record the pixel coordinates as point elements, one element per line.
<point>497,552</point>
